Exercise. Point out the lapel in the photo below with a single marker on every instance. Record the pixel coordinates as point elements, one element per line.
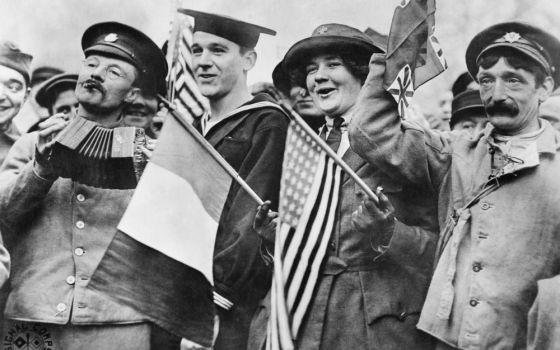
<point>354,161</point>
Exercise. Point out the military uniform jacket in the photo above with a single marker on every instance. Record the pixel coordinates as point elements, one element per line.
<point>57,232</point>
<point>253,144</point>
<point>365,298</point>
<point>486,279</point>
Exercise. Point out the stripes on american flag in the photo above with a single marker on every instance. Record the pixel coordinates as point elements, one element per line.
<point>309,192</point>
<point>184,91</point>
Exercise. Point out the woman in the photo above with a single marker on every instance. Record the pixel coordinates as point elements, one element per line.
<point>367,296</point>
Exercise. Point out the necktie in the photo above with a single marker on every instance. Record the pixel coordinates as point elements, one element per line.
<point>333,140</point>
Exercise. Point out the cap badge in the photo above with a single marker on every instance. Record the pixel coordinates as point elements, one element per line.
<point>512,37</point>
<point>111,38</point>
<point>323,30</point>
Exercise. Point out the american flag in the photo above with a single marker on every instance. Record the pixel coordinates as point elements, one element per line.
<point>182,88</point>
<point>309,194</point>
<point>414,55</point>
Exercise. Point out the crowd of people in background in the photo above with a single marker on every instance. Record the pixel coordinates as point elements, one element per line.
<point>461,251</point>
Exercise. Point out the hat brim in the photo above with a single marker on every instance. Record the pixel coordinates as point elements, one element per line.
<point>484,40</point>
<point>299,54</point>
<point>52,86</point>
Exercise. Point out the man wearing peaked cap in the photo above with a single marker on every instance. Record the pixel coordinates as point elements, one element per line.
<point>57,95</point>
<point>58,229</point>
<point>249,132</point>
<point>499,194</point>
<point>467,113</point>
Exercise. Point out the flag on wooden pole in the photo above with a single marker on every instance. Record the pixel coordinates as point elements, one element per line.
<point>414,55</point>
<point>309,194</point>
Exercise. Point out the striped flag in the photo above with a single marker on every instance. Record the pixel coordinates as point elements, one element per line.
<point>309,194</point>
<point>182,88</point>
<point>414,55</point>
<point>160,261</point>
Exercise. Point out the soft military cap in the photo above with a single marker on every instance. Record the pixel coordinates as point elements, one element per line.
<point>49,90</point>
<point>531,41</point>
<point>12,57</point>
<point>129,44</point>
<point>242,33</point>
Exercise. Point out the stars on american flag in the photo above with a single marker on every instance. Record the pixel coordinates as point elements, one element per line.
<point>302,158</point>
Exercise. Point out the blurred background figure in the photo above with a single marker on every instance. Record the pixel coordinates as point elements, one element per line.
<point>141,112</point>
<point>463,83</point>
<point>32,111</point>
<point>56,95</point>
<point>15,76</point>
<point>467,113</point>
<point>298,97</point>
<point>550,109</point>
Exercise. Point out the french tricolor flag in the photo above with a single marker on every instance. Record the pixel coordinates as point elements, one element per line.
<point>160,261</point>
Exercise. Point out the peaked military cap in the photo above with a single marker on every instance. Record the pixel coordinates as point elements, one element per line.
<point>531,41</point>
<point>242,33</point>
<point>48,91</point>
<point>12,57</point>
<point>129,44</point>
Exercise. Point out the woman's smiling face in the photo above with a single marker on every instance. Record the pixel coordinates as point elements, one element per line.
<point>332,86</point>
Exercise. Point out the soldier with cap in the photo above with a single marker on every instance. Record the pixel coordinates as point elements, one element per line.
<point>249,132</point>
<point>58,229</point>
<point>499,194</point>
<point>14,91</point>
<point>57,95</point>
<point>467,113</point>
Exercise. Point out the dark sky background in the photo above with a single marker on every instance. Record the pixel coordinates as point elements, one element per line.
<point>51,29</point>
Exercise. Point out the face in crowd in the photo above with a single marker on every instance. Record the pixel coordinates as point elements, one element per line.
<point>105,82</point>
<point>331,85</point>
<point>65,102</point>
<point>512,90</point>
<point>473,123</point>
<point>220,65</point>
<point>141,111</point>
<point>13,93</point>
<point>303,103</point>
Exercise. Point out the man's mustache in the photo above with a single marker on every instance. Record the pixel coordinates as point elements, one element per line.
<point>93,84</point>
<point>501,108</point>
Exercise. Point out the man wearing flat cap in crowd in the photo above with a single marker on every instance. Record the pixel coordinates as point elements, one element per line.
<point>15,74</point>
<point>58,229</point>
<point>57,95</point>
<point>467,113</point>
<point>249,132</point>
<point>499,195</point>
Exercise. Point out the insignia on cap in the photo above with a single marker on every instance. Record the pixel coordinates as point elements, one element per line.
<point>323,30</point>
<point>512,37</point>
<point>111,38</point>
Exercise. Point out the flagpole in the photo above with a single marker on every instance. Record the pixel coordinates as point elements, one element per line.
<point>338,160</point>
<point>204,143</point>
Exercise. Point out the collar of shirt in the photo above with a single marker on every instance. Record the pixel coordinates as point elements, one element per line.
<point>344,141</point>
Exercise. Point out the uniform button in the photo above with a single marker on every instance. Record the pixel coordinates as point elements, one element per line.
<point>476,267</point>
<point>80,224</point>
<point>70,280</point>
<point>485,206</point>
<point>473,302</point>
<point>80,197</point>
<point>403,316</point>
<point>61,307</point>
<point>79,251</point>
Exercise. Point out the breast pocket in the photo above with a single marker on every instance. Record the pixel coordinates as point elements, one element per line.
<point>234,150</point>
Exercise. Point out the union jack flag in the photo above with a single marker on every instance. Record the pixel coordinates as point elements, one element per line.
<point>414,55</point>
<point>309,194</point>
